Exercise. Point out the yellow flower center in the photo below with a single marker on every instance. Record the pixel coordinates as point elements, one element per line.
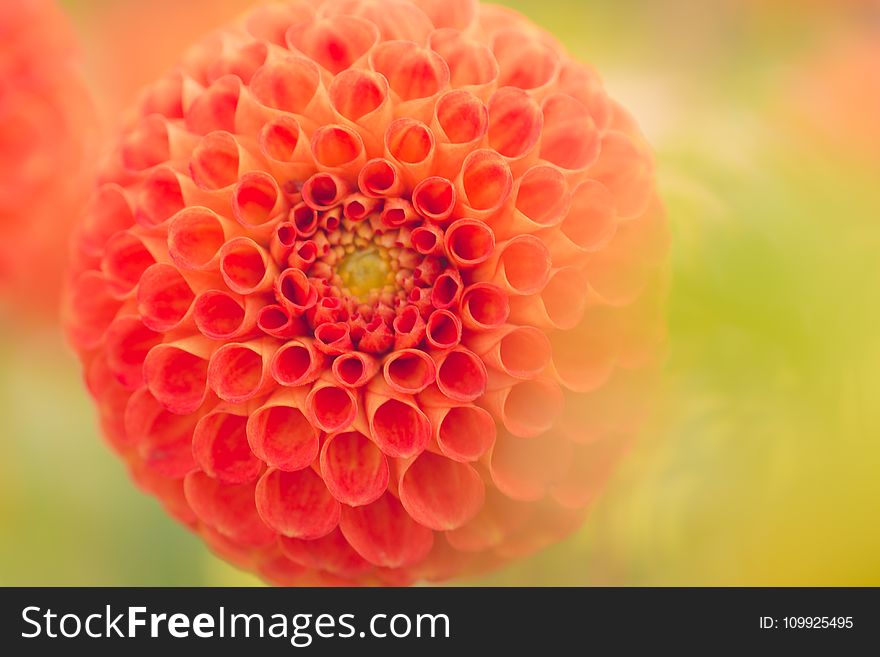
<point>366,270</point>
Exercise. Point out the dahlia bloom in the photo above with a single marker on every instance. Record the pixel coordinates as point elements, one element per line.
<point>46,124</point>
<point>369,291</point>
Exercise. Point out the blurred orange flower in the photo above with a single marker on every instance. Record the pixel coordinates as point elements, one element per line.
<point>835,94</point>
<point>47,138</point>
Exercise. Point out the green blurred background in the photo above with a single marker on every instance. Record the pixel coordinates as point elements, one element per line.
<point>761,465</point>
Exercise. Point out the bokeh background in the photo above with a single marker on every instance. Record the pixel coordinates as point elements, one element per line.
<point>761,465</point>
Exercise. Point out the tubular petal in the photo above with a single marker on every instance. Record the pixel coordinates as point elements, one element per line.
<point>126,258</point>
<point>331,407</point>
<point>469,242</point>
<point>290,84</point>
<point>297,363</point>
<point>521,265</point>
<point>296,504</point>
<point>335,44</point>
<point>466,433</point>
<point>330,553</point>
<point>355,369</point>
<point>570,140</point>
<point>355,471</point>
<point>227,508</point>
<point>440,493</point>
<point>177,374</point>
<point>515,122</point>
<point>256,199</point>
<point>162,438</point>
<point>220,447</point>
<point>195,237</point>
<point>240,371</point>
<point>409,371</point>
<point>412,71</point>
<point>484,306</point>
<point>484,185</point>
<point>164,297</point>
<point>280,434</point>
<point>127,343</point>
<point>246,267</point>
<point>461,374</point>
<point>397,424</point>
<point>384,534</point>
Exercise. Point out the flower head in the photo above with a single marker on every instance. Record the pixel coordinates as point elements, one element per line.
<point>369,291</point>
<point>46,124</point>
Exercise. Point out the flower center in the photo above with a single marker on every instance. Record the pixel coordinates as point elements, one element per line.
<point>364,271</point>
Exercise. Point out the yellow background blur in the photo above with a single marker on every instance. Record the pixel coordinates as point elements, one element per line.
<point>762,463</point>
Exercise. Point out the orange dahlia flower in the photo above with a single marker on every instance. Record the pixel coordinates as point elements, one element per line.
<point>46,125</point>
<point>369,292</point>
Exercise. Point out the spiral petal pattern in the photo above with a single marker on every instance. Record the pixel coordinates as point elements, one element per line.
<point>375,288</point>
